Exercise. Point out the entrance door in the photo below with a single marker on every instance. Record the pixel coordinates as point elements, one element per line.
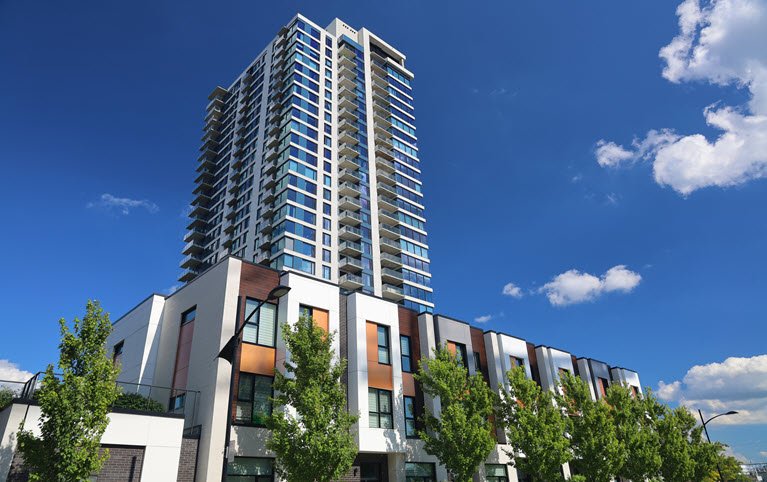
<point>370,472</point>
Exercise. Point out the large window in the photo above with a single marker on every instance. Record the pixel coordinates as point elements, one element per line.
<point>383,345</point>
<point>460,352</point>
<point>407,361</point>
<point>253,394</point>
<point>250,469</point>
<point>496,473</point>
<point>419,472</point>
<point>523,477</point>
<point>379,408</point>
<point>410,417</point>
<point>262,327</point>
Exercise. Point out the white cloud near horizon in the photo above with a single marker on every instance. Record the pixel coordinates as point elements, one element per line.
<point>122,205</point>
<point>11,372</point>
<point>573,286</point>
<point>512,290</point>
<point>737,383</point>
<point>721,43</point>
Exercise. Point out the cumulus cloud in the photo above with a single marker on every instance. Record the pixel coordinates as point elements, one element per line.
<point>11,372</point>
<point>512,290</point>
<point>738,384</point>
<point>573,286</point>
<point>721,43</point>
<point>483,319</point>
<point>122,205</point>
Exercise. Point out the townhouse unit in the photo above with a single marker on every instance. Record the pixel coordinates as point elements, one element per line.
<point>173,341</point>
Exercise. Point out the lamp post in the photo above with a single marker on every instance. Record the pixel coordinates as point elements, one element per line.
<point>731,412</point>
<point>229,353</point>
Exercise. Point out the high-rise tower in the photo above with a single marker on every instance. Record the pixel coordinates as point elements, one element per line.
<point>310,162</point>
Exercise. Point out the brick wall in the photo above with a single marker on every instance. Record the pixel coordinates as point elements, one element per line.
<point>124,465</point>
<point>350,477</point>
<point>187,464</point>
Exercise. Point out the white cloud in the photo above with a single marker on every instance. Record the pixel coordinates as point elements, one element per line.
<point>721,44</point>
<point>11,372</point>
<point>763,454</point>
<point>575,287</point>
<point>610,154</point>
<point>512,290</point>
<point>483,319</point>
<point>738,384</point>
<point>123,205</point>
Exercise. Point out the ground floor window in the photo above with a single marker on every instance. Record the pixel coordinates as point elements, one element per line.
<point>253,394</point>
<point>250,469</point>
<point>496,473</point>
<point>420,472</point>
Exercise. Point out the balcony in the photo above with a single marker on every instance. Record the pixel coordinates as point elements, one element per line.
<point>346,113</point>
<point>351,265</point>
<point>207,162</point>
<point>268,196</point>
<point>193,246</point>
<point>388,217</point>
<point>387,202</point>
<point>347,60</point>
<point>203,186</point>
<point>196,233</point>
<point>387,189</point>
<point>348,70</point>
<point>199,210</point>
<point>266,242</point>
<point>391,260</point>
<point>391,232</point>
<point>378,66</point>
<point>378,97</point>
<point>350,281</point>
<point>187,275</point>
<point>348,175</point>
<point>268,210</point>
<point>383,119</point>
<point>349,125</point>
<point>190,262</point>
<point>347,102</point>
<point>269,182</point>
<point>388,275</point>
<point>350,218</point>
<point>381,107</point>
<point>350,248</point>
<point>385,140</point>
<point>345,149</point>
<point>197,223</point>
<point>382,152</point>
<point>389,246</point>
<point>207,152</point>
<point>393,292</point>
<point>347,136</point>
<point>348,81</point>
<point>381,87</point>
<point>386,177</point>
<point>349,203</point>
<point>350,233</point>
<point>349,189</point>
<point>349,162</point>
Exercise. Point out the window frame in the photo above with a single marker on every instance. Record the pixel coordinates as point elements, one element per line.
<point>386,347</point>
<point>185,314</point>
<point>408,356</point>
<point>412,478</point>
<point>257,324</point>
<point>414,418</point>
<point>251,477</point>
<point>251,400</point>
<point>378,412</point>
<point>497,478</point>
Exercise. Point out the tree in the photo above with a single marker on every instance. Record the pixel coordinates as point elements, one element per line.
<point>75,406</point>
<point>316,444</point>
<point>635,419</point>
<point>684,453</point>
<point>136,401</point>
<point>596,448</point>
<point>731,470</point>
<point>6,396</point>
<point>463,435</point>
<point>535,427</point>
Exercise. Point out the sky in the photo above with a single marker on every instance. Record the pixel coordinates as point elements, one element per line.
<point>593,172</point>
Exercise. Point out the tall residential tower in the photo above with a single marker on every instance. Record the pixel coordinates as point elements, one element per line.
<point>310,162</point>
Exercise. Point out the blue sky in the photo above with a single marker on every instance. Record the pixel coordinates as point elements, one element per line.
<point>526,116</point>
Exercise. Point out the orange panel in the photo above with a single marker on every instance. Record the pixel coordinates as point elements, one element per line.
<point>451,347</point>
<point>321,318</point>
<point>257,359</point>
<point>408,385</point>
<point>379,376</point>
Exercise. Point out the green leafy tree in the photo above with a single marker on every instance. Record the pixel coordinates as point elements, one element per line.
<point>317,444</point>
<point>535,427</point>
<point>684,454</point>
<point>463,435</point>
<point>136,401</point>
<point>635,428</point>
<point>75,405</point>
<point>596,448</point>
<point>6,396</point>
<point>732,471</point>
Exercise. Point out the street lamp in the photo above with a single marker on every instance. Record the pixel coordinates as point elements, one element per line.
<point>731,412</point>
<point>229,353</point>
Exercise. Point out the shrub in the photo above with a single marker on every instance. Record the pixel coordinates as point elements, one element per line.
<point>136,401</point>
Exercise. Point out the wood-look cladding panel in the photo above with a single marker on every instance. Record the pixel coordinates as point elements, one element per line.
<point>257,359</point>
<point>533,362</point>
<point>321,318</point>
<point>576,372</point>
<point>379,375</point>
<point>257,281</point>
<point>478,344</point>
<point>408,326</point>
<point>183,354</point>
